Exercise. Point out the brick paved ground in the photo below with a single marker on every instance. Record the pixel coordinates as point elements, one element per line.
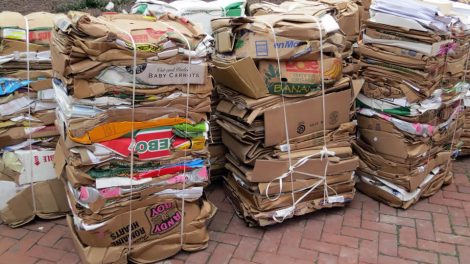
<point>436,230</point>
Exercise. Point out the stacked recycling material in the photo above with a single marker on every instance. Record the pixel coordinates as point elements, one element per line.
<point>28,185</point>
<point>408,121</point>
<point>217,149</point>
<point>465,138</point>
<point>346,13</point>
<point>200,12</point>
<point>285,157</point>
<point>134,96</point>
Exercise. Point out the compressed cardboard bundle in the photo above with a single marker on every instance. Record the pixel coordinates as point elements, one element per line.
<point>283,162</point>
<point>134,96</point>
<point>345,12</point>
<point>200,12</point>
<point>465,138</point>
<point>217,149</point>
<point>28,135</point>
<point>409,118</point>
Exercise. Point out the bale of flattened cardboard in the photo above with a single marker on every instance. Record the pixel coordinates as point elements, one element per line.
<point>465,137</point>
<point>409,110</point>
<point>262,113</point>
<point>27,112</point>
<point>134,137</point>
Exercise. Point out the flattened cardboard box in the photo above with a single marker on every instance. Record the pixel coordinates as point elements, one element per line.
<point>50,202</point>
<point>306,116</point>
<point>299,77</point>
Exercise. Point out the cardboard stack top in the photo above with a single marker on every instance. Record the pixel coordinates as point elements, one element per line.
<point>133,148</point>
<point>409,116</point>
<point>268,108</point>
<point>28,135</point>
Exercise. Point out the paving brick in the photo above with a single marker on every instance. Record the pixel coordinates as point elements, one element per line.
<point>240,261</point>
<point>423,205</point>
<point>461,231</point>
<point>445,201</point>
<point>52,236</point>
<point>462,189</point>
<point>457,216</point>
<point>456,196</point>
<point>239,227</point>
<point>46,253</point>
<point>65,244</point>
<point>382,227</point>
<point>313,229</point>
<point>328,248</point>
<point>407,236</point>
<point>368,251</point>
<point>298,253</point>
<point>370,210</point>
<point>348,256</point>
<point>425,229</point>
<point>70,258</point>
<point>359,233</point>
<point>352,217</point>
<point>220,221</point>
<point>436,246</point>
<point>270,241</point>
<point>199,257</point>
<point>388,244</point>
<point>291,237</point>
<point>231,239</point>
<point>340,240</point>
<point>6,243</point>
<point>333,224</point>
<point>270,258</point>
<point>327,259</point>
<point>410,213</point>
<point>385,209</point>
<point>390,219</point>
<point>40,225</point>
<point>16,233</point>
<point>222,254</point>
<point>444,259</point>
<point>452,239</point>
<point>16,257</point>
<point>44,262</point>
<point>464,254</point>
<point>418,255</point>
<point>27,242</point>
<point>394,260</point>
<point>441,223</point>
<point>246,248</point>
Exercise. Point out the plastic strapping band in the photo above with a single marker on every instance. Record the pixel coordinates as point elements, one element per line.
<point>186,130</point>
<point>29,116</point>
<point>282,214</point>
<point>132,145</point>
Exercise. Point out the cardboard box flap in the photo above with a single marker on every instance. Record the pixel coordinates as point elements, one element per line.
<point>59,159</point>
<point>337,106</point>
<point>268,170</point>
<point>241,76</point>
<point>97,255</point>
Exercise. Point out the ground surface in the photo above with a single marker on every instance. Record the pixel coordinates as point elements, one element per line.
<point>436,230</point>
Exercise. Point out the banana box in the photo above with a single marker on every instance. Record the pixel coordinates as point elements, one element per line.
<point>299,77</point>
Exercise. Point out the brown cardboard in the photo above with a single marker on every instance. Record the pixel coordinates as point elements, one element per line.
<point>299,77</point>
<point>50,203</point>
<point>161,219</point>
<point>268,170</point>
<point>242,76</point>
<point>337,106</point>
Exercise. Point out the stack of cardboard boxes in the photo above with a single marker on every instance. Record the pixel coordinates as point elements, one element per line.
<point>134,96</point>
<point>346,13</point>
<point>201,13</point>
<point>28,185</point>
<point>408,119</point>
<point>272,115</point>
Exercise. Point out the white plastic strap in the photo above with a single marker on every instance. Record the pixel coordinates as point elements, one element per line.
<point>288,212</point>
<point>188,85</point>
<point>28,77</point>
<point>132,145</point>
